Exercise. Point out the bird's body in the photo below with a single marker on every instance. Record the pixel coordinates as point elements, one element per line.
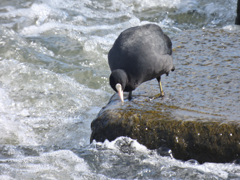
<point>139,54</point>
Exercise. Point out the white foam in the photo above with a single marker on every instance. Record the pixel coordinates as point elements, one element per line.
<point>5,177</point>
<point>35,30</point>
<point>218,170</point>
<point>123,141</point>
<point>62,164</point>
<point>146,4</point>
<point>50,16</point>
<point>12,130</point>
<point>53,15</point>
<point>41,107</point>
<point>232,28</point>
<point>167,164</point>
<point>41,12</point>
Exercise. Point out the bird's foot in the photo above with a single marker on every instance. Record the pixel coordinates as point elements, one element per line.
<point>161,95</point>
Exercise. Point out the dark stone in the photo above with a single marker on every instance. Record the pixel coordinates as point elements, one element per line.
<point>237,20</point>
<point>193,120</point>
<point>202,141</point>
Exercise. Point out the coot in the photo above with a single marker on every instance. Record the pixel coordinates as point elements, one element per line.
<point>139,54</point>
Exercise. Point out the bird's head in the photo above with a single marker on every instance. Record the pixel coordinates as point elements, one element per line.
<point>118,80</point>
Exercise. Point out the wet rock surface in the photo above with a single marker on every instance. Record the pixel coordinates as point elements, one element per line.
<point>198,118</point>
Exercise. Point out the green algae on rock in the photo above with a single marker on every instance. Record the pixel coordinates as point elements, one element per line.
<point>201,140</point>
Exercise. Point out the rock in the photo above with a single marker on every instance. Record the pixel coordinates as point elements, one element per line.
<point>198,117</point>
<point>202,141</point>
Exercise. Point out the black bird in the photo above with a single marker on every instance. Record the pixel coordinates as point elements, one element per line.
<point>139,54</point>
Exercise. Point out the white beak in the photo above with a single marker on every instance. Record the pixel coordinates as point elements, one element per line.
<point>120,91</point>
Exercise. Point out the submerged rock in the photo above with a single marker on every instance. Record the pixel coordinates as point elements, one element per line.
<point>198,117</point>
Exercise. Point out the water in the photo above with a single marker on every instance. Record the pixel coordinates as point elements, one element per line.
<point>54,80</point>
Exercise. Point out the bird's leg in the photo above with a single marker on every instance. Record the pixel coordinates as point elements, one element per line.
<point>130,96</point>
<point>161,89</point>
<point>160,86</point>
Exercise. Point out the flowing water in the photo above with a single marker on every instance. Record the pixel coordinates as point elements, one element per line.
<point>54,80</point>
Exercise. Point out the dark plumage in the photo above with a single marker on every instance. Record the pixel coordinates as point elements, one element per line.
<point>139,54</point>
<point>237,20</point>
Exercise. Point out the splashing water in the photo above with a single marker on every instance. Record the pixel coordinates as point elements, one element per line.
<point>54,80</point>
